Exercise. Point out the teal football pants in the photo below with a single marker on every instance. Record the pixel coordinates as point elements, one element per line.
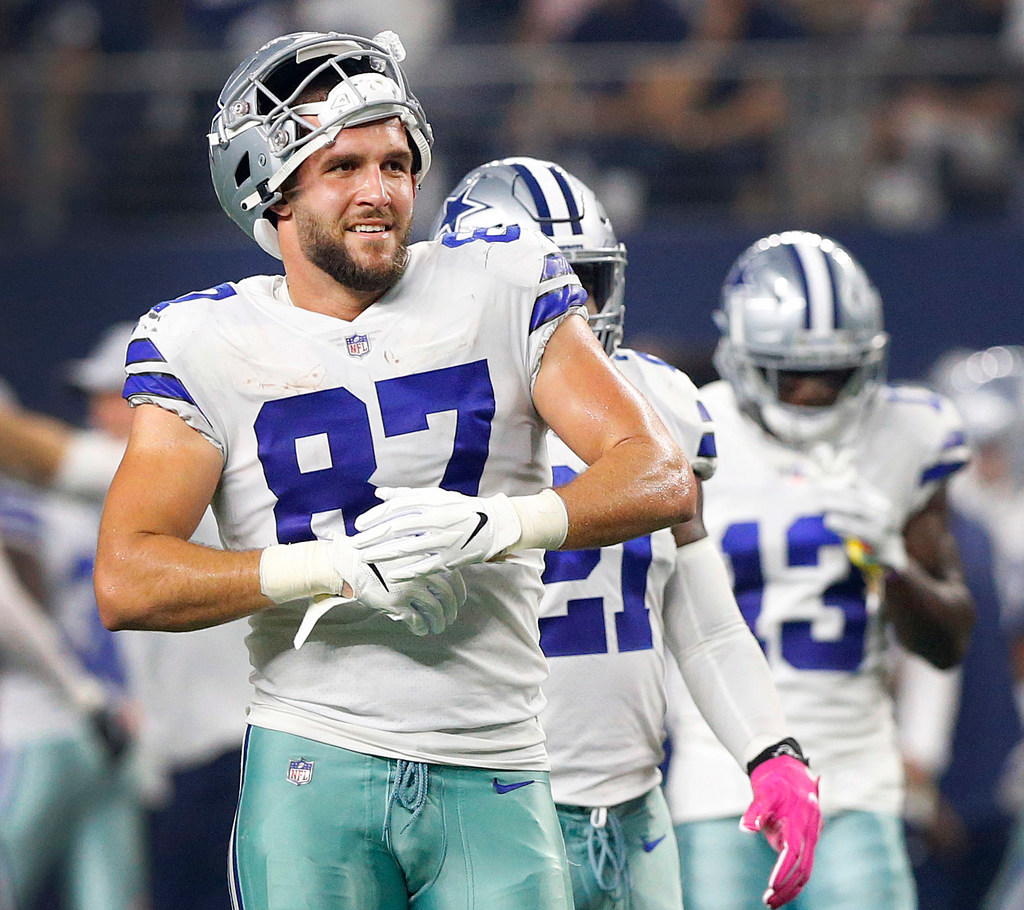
<point>323,828</point>
<point>68,813</point>
<point>629,862</point>
<point>861,861</point>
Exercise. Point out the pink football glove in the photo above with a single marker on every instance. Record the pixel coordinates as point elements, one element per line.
<point>785,809</point>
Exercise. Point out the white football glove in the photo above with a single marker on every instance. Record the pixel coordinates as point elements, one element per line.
<point>859,512</point>
<point>418,532</point>
<point>321,569</point>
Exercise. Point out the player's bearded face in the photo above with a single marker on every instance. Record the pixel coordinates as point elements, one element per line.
<point>356,263</point>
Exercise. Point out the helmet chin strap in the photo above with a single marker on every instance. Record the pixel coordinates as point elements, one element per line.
<point>266,236</point>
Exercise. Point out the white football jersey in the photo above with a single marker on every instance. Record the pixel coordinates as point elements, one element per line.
<point>601,624</point>
<point>32,706</point>
<point>811,609</point>
<point>430,386</point>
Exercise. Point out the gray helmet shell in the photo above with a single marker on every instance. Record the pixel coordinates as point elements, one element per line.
<point>261,134</point>
<point>541,195</point>
<point>797,301</point>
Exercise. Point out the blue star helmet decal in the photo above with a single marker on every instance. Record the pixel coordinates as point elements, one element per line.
<point>458,206</point>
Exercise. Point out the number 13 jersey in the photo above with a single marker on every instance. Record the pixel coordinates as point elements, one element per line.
<point>811,609</point>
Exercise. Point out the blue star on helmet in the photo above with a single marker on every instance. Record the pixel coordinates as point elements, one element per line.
<point>458,206</point>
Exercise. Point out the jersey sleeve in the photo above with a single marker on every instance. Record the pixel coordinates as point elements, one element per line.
<point>934,422</point>
<point>558,295</point>
<point>678,403</point>
<point>161,365</point>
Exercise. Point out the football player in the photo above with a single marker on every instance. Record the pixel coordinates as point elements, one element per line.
<point>69,816</point>
<point>369,427</point>
<point>608,613</point>
<point>829,504</point>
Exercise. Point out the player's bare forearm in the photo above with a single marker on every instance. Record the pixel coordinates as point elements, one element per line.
<point>160,583</point>
<point>637,487</point>
<point>32,446</point>
<point>638,479</point>
<point>929,603</point>
<point>933,617</point>
<point>148,575</point>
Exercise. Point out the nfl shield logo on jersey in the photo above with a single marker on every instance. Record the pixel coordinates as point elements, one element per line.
<point>358,345</point>
<point>300,771</point>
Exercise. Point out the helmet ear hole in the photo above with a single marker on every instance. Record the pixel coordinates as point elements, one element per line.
<point>243,172</point>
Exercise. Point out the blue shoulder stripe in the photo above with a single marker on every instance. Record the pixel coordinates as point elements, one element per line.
<point>954,439</point>
<point>555,266</point>
<point>939,471</point>
<point>160,384</point>
<point>142,350</point>
<point>555,303</point>
<point>704,413</point>
<point>218,293</point>
<point>707,448</point>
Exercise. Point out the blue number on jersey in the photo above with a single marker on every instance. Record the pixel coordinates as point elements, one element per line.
<point>405,402</point>
<point>582,629</point>
<point>487,235</point>
<point>804,539</point>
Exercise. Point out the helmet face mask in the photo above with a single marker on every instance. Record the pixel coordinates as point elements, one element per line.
<point>799,303</point>
<point>262,133</point>
<point>543,196</point>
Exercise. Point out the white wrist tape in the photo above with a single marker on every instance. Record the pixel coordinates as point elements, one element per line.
<point>544,520</point>
<point>295,570</point>
<point>88,695</point>
<point>89,465</point>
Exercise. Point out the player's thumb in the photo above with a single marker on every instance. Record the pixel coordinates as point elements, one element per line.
<point>753,817</point>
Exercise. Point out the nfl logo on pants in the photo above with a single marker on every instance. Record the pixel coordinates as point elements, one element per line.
<point>300,771</point>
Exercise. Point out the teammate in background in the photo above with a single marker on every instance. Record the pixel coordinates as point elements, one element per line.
<point>829,503</point>
<point>68,813</point>
<point>984,788</point>
<point>192,690</point>
<point>607,615</point>
<point>386,763</point>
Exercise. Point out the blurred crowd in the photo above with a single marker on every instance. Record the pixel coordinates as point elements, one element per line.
<point>900,113</point>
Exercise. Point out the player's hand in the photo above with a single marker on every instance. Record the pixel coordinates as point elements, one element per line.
<point>417,532</point>
<point>785,809</point>
<point>113,729</point>
<point>865,518</point>
<point>425,605</point>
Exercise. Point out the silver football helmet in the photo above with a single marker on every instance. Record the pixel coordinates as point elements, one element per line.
<point>800,302</point>
<point>541,195</point>
<point>261,134</point>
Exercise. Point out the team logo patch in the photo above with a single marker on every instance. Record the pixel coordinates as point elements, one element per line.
<point>358,345</point>
<point>300,771</point>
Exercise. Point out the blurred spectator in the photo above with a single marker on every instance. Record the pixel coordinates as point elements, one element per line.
<point>678,123</point>
<point>421,24</point>
<point>948,144</point>
<point>482,21</point>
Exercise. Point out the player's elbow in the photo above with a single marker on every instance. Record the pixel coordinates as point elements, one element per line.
<point>679,491</point>
<point>116,599</point>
